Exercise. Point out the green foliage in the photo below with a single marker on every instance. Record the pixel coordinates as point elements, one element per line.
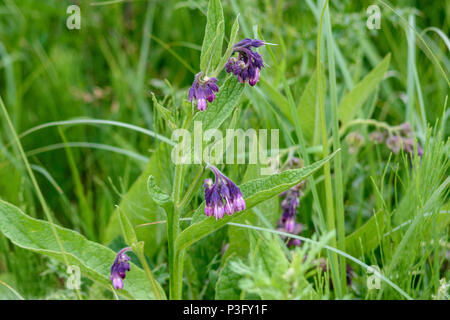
<point>93,259</point>
<point>352,102</point>
<point>212,42</point>
<point>254,192</point>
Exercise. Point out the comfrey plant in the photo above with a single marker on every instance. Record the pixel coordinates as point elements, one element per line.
<point>246,67</point>
<point>248,63</point>
<point>222,196</point>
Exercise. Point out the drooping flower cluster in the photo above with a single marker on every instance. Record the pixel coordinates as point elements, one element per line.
<point>203,89</point>
<point>400,139</point>
<point>222,196</point>
<point>248,64</point>
<point>289,205</point>
<point>119,268</point>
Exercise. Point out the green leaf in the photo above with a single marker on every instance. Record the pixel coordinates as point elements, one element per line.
<point>227,285</point>
<point>155,192</point>
<point>367,237</point>
<point>140,208</point>
<point>352,102</point>
<point>306,109</point>
<point>164,112</point>
<point>228,52</point>
<point>267,212</point>
<point>127,229</point>
<point>254,192</point>
<point>93,259</point>
<point>214,32</point>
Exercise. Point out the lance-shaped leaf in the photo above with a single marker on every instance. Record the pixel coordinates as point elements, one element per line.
<point>352,102</point>
<point>93,259</point>
<point>228,52</point>
<point>127,229</point>
<point>214,31</point>
<point>254,192</point>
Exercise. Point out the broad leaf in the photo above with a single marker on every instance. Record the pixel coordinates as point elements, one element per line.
<point>266,212</point>
<point>93,259</point>
<point>352,102</point>
<point>254,192</point>
<point>227,285</point>
<point>367,237</point>
<point>139,207</point>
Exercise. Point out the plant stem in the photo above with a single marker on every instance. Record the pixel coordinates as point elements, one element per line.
<point>190,192</point>
<point>338,186</point>
<point>149,273</point>
<point>327,170</point>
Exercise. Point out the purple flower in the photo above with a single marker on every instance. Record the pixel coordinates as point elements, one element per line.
<point>119,268</point>
<point>203,89</point>
<point>377,137</point>
<point>222,196</point>
<point>248,64</point>
<point>289,205</point>
<point>394,143</point>
<point>406,129</point>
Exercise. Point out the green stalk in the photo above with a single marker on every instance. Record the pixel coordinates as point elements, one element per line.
<point>148,272</point>
<point>172,234</point>
<point>37,188</point>
<point>327,171</point>
<point>338,186</point>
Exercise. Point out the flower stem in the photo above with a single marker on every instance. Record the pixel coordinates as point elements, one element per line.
<point>148,272</point>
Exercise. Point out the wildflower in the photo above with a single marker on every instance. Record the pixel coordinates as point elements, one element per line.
<point>377,137</point>
<point>248,64</point>
<point>394,143</point>
<point>354,140</point>
<point>289,206</point>
<point>298,228</point>
<point>119,268</point>
<point>222,196</point>
<point>203,89</point>
<point>406,130</point>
